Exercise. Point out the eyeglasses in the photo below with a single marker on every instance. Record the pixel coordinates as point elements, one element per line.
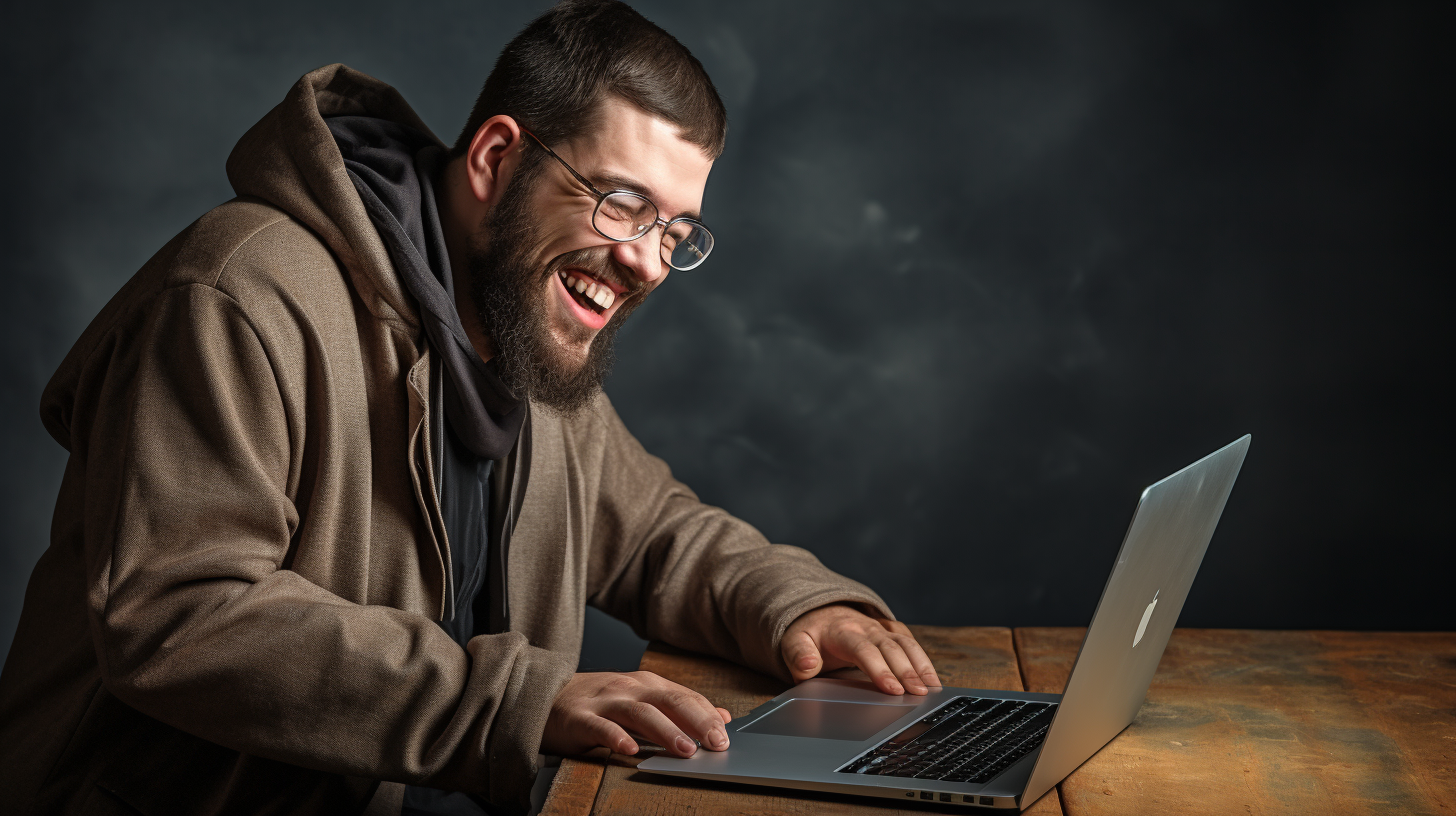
<point>622,216</point>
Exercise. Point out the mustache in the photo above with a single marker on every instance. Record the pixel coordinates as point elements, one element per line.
<point>598,262</point>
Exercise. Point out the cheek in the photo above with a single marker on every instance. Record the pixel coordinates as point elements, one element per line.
<point>563,224</point>
<point>562,239</point>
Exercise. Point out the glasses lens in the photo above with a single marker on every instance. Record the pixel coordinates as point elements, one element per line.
<point>623,216</point>
<point>685,244</point>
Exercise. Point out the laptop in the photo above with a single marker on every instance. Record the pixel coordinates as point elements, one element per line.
<point>982,748</point>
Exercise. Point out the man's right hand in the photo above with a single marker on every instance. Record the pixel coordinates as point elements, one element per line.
<point>600,708</point>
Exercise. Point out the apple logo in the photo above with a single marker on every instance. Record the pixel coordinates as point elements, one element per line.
<point>1143,624</point>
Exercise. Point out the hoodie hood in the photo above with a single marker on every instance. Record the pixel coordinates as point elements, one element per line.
<point>291,160</point>
<point>347,156</point>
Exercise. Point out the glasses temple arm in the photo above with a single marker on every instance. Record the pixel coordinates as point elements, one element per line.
<point>579,177</point>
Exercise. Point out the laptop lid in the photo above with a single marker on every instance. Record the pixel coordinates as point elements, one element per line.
<point>1160,555</point>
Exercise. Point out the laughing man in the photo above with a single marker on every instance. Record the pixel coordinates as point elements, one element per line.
<point>342,477</point>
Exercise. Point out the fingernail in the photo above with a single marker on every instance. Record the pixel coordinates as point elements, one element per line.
<point>918,689</point>
<point>685,746</point>
<point>718,740</point>
<point>808,662</point>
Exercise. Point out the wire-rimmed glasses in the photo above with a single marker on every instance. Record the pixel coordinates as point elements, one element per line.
<point>622,216</point>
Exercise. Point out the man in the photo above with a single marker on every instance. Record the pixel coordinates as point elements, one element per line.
<point>342,477</point>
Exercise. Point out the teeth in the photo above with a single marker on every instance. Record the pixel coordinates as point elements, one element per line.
<point>598,293</point>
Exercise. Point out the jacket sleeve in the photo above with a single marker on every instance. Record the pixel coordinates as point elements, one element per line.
<point>198,621</point>
<point>692,575</point>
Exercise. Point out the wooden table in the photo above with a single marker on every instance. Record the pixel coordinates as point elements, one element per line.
<point>1236,722</point>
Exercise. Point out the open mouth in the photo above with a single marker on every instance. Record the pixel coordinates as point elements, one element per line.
<point>588,293</point>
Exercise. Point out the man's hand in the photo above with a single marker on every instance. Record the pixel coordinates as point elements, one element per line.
<point>600,708</point>
<point>837,636</point>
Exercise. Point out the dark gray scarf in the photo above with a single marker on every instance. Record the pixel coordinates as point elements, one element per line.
<point>394,168</point>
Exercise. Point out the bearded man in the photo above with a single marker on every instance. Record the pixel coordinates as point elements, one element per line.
<point>342,477</point>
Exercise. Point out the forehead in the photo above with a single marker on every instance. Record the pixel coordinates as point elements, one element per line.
<point>629,144</point>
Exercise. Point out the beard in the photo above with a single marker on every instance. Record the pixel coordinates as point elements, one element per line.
<point>512,299</point>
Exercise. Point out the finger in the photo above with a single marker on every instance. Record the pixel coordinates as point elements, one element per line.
<point>867,656</point>
<point>801,655</point>
<point>644,718</point>
<point>687,697</point>
<point>692,712</point>
<point>723,712</point>
<point>604,732</point>
<point>913,650</point>
<point>920,660</point>
<point>899,662</point>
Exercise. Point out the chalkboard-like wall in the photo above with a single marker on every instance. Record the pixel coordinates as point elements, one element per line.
<point>985,270</point>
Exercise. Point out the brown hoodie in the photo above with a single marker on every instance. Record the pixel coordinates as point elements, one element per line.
<point>236,613</point>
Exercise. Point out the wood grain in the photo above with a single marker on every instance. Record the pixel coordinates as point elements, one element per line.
<point>1252,722</point>
<point>574,790</point>
<point>973,657</point>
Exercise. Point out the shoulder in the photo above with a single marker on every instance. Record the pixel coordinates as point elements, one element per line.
<point>250,250</point>
<point>245,260</point>
<point>280,275</point>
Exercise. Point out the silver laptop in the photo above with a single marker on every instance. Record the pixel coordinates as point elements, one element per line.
<point>980,748</point>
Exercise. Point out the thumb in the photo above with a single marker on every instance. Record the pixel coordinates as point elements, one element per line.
<point>801,655</point>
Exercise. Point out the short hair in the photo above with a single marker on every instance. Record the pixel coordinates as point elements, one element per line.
<point>553,76</point>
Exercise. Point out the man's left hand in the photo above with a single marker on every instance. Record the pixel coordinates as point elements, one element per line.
<point>838,636</point>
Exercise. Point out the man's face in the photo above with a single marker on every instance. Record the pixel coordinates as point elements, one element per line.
<point>526,259</point>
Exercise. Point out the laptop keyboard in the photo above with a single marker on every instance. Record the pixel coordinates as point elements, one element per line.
<point>971,739</point>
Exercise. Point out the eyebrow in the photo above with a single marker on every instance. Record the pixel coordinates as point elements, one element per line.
<point>607,181</point>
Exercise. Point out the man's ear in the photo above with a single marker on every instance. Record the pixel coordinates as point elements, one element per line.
<point>492,158</point>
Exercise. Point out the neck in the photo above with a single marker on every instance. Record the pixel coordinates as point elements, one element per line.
<point>460,213</point>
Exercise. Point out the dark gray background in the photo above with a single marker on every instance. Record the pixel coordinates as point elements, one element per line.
<point>985,269</point>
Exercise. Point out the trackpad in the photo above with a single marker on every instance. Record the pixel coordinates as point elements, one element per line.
<point>827,719</point>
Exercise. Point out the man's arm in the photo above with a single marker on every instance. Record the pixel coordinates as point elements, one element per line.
<point>692,575</point>
<point>191,456</point>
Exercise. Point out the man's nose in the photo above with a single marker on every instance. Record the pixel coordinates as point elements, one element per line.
<point>643,256</point>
